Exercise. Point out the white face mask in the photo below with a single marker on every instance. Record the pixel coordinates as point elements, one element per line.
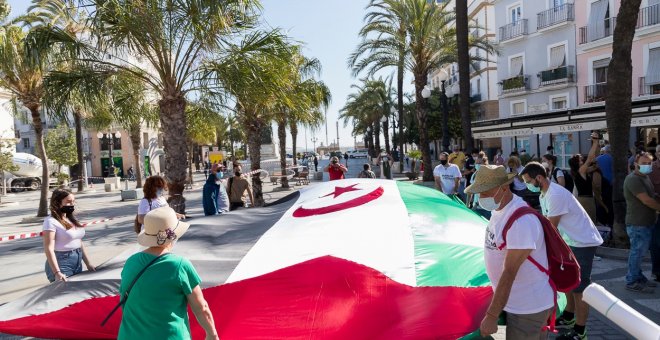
<point>488,203</point>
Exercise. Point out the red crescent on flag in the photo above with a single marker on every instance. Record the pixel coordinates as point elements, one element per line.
<point>355,202</point>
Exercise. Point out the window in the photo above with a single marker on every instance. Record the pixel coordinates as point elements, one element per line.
<point>516,66</point>
<point>653,70</point>
<point>522,144</point>
<point>26,143</point>
<point>598,25</point>
<point>559,103</point>
<point>557,3</point>
<point>515,14</point>
<point>563,144</point>
<point>600,70</point>
<point>557,56</point>
<point>518,108</point>
<point>478,86</point>
<point>145,140</point>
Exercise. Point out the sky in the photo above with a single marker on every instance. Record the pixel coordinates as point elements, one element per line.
<point>329,31</point>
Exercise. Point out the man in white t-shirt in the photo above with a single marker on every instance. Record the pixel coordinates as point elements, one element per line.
<point>566,213</point>
<point>520,288</point>
<point>447,176</point>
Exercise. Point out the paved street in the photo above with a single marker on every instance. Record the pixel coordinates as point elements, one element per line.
<point>23,260</point>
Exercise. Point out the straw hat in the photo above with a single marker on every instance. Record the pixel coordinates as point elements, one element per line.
<point>161,227</point>
<point>488,177</point>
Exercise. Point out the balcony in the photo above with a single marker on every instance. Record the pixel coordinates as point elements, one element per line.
<point>559,75</point>
<point>515,84</point>
<point>595,93</point>
<point>605,30</point>
<point>649,16</point>
<point>475,98</point>
<point>555,16</point>
<point>513,30</point>
<point>648,90</point>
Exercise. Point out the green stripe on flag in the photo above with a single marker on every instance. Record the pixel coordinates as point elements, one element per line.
<point>443,256</point>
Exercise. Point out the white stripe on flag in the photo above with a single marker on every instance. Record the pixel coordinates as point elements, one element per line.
<point>376,234</point>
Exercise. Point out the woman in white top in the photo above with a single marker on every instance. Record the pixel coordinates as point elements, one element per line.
<point>154,197</point>
<point>63,239</point>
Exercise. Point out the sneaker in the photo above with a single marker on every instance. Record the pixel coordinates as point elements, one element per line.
<point>563,323</point>
<point>573,335</point>
<point>639,287</point>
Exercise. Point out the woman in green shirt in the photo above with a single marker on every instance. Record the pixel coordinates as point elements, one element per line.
<point>157,307</point>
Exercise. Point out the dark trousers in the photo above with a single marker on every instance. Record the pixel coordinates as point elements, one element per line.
<point>602,216</point>
<point>236,205</point>
<point>655,250</point>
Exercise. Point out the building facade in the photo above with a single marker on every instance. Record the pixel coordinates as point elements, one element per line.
<point>548,98</point>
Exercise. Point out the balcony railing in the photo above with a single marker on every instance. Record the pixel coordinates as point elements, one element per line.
<point>515,84</point>
<point>513,30</point>
<point>646,89</point>
<point>559,75</point>
<point>555,16</point>
<point>595,93</point>
<point>608,26</point>
<point>649,16</point>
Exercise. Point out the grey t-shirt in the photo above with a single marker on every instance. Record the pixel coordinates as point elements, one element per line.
<point>637,213</point>
<point>223,198</point>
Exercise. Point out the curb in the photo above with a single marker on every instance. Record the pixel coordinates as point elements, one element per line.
<point>38,234</point>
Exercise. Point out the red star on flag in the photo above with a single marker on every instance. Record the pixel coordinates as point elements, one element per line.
<point>342,190</point>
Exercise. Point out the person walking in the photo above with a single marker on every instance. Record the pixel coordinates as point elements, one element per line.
<point>316,164</point>
<point>520,288</point>
<point>214,194</point>
<point>605,164</point>
<point>335,169</point>
<point>566,214</point>
<point>499,158</point>
<point>549,162</point>
<point>641,217</point>
<point>131,174</point>
<point>157,307</point>
<point>366,172</point>
<point>385,160</point>
<point>154,197</point>
<point>237,187</point>
<point>447,176</point>
<point>62,238</point>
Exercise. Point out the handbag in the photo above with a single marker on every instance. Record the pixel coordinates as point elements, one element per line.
<point>122,300</point>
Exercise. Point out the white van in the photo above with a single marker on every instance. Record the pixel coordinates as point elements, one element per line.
<point>359,153</point>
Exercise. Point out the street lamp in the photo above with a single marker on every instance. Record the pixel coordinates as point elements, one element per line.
<point>426,92</point>
<point>314,140</point>
<point>111,141</point>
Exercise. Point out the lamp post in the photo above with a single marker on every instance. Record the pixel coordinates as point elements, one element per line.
<point>314,140</point>
<point>111,141</point>
<point>393,112</point>
<point>445,118</point>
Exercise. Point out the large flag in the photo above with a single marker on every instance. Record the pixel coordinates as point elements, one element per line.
<point>350,259</point>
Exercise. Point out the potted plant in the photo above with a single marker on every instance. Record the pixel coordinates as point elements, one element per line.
<point>414,155</point>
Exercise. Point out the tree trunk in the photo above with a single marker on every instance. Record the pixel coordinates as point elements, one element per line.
<point>173,124</point>
<point>41,153</point>
<point>464,72</point>
<point>294,139</point>
<point>134,135</point>
<point>399,86</point>
<point>281,135</point>
<point>189,180</point>
<point>253,127</point>
<point>376,126</point>
<point>618,109</point>
<point>82,166</point>
<point>386,135</point>
<point>420,107</point>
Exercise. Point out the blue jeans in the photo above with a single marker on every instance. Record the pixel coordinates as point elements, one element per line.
<point>70,263</point>
<point>640,239</point>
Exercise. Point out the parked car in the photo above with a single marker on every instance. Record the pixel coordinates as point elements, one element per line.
<point>359,153</point>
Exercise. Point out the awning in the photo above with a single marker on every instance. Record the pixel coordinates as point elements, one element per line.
<point>568,121</point>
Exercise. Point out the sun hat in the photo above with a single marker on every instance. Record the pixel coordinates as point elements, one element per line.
<point>161,227</point>
<point>488,177</point>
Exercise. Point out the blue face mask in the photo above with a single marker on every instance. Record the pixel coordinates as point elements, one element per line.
<point>219,175</point>
<point>645,168</point>
<point>477,166</point>
<point>533,188</point>
<point>159,192</point>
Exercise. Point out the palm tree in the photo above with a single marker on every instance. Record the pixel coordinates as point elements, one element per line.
<point>319,97</point>
<point>24,79</point>
<point>618,108</point>
<point>463,50</point>
<point>170,38</point>
<point>388,49</point>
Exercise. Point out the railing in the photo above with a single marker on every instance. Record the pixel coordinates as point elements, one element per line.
<point>513,30</point>
<point>475,98</point>
<point>608,29</point>
<point>555,16</point>
<point>646,89</point>
<point>563,74</point>
<point>649,16</point>
<point>515,84</point>
<point>595,93</point>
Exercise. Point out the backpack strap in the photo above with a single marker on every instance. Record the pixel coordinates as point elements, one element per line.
<point>122,299</point>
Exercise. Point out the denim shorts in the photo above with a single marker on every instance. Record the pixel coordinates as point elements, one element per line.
<point>585,257</point>
<point>69,262</point>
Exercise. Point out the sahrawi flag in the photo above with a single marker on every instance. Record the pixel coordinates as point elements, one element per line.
<point>350,259</point>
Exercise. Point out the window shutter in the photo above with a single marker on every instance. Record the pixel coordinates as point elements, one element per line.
<point>558,56</point>
<point>653,70</point>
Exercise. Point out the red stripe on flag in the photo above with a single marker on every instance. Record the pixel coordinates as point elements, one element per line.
<point>324,298</point>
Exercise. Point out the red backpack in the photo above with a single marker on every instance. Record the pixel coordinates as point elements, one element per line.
<point>563,269</point>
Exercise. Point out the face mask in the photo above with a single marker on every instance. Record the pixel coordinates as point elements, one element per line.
<point>532,187</point>
<point>67,209</point>
<point>159,192</point>
<point>488,203</point>
<point>645,168</point>
<point>477,166</point>
<point>219,175</point>
<point>545,165</point>
<point>443,161</point>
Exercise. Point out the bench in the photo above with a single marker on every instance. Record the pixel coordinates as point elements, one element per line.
<point>275,177</point>
<point>303,177</point>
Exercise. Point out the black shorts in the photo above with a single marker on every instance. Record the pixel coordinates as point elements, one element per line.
<point>585,257</point>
